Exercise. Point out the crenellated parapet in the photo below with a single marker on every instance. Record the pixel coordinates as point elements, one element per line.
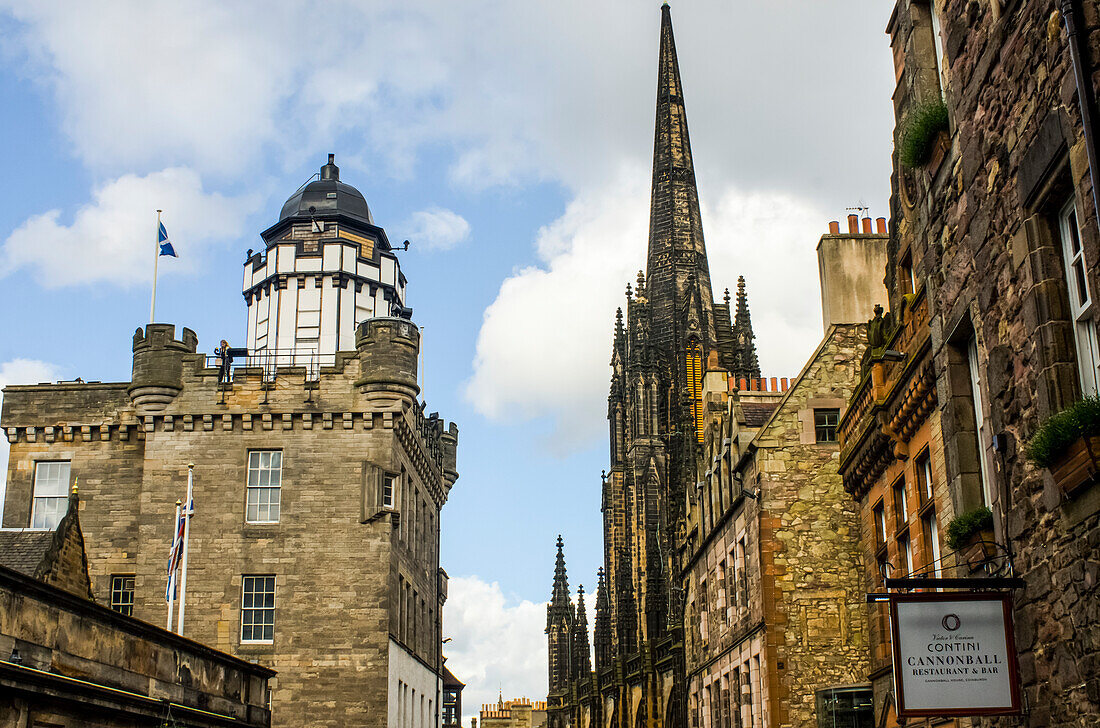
<point>158,365</point>
<point>388,351</point>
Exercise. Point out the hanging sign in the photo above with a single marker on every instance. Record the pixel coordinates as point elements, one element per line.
<point>954,654</point>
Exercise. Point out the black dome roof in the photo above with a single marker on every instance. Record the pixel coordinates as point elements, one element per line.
<point>327,196</point>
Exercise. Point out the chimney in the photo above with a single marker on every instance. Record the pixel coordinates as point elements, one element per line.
<point>851,270</point>
<point>881,222</point>
<point>834,228</point>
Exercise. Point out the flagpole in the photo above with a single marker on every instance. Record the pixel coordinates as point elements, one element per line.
<point>171,592</point>
<point>188,510</point>
<point>156,263</point>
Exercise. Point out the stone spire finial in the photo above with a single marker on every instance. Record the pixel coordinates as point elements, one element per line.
<point>746,365</point>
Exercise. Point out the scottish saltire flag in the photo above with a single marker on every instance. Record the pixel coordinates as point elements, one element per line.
<point>165,244</point>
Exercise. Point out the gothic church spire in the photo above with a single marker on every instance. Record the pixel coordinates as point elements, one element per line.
<point>677,257</point>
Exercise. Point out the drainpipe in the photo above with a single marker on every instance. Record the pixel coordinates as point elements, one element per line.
<point>1085,96</point>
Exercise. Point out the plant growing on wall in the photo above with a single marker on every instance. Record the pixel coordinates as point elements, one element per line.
<point>918,137</point>
<point>963,526</point>
<point>1058,432</point>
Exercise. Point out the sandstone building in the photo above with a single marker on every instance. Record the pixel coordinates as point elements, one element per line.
<point>775,627</point>
<point>67,661</point>
<point>713,608</point>
<point>515,713</point>
<point>992,272</point>
<point>656,421</point>
<point>319,477</point>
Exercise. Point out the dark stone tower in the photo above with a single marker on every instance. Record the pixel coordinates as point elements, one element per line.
<point>655,417</point>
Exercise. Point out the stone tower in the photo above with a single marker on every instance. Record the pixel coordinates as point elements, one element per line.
<point>672,326</point>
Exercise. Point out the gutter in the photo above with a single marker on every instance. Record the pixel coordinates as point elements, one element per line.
<point>1085,96</point>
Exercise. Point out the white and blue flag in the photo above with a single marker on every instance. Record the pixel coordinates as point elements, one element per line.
<point>165,244</point>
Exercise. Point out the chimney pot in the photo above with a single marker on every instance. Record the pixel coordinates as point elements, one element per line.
<point>881,222</point>
<point>867,225</point>
<point>834,228</point>
<point>853,224</point>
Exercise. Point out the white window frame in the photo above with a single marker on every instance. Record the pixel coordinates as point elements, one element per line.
<point>924,466</point>
<point>256,487</point>
<point>905,551</point>
<point>933,530</point>
<point>50,499</point>
<point>937,44</point>
<point>1080,300</point>
<point>246,580</point>
<point>389,487</point>
<point>979,418</point>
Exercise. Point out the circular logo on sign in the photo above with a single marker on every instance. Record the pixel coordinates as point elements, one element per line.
<point>951,622</point>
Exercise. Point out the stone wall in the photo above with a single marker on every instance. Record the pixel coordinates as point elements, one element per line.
<point>339,556</point>
<point>812,562</point>
<point>979,222</point>
<point>68,637</point>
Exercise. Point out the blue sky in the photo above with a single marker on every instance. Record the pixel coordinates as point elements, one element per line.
<point>510,142</point>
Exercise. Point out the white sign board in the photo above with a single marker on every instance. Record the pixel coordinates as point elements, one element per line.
<point>954,654</point>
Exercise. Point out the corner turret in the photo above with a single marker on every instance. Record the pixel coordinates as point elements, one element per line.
<point>158,366</point>
<point>388,350</point>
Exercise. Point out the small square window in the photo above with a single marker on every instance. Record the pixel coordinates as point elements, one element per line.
<point>265,479</point>
<point>258,608</point>
<point>825,422</point>
<point>51,494</point>
<point>122,593</point>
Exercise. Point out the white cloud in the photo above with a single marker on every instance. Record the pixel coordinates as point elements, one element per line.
<point>112,238</point>
<point>518,91</point>
<point>19,371</point>
<point>437,229</point>
<point>545,342</point>
<point>497,643</point>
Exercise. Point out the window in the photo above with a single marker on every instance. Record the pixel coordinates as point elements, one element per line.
<point>258,608</point>
<point>1080,301</point>
<point>825,421</point>
<point>901,508</point>
<point>979,418</point>
<point>704,618</point>
<point>51,494</point>
<point>743,572</point>
<point>880,523</point>
<point>122,593</point>
<point>845,708</point>
<point>937,41</point>
<point>387,490</point>
<point>905,554</point>
<point>924,476</point>
<point>720,584</point>
<point>906,281</point>
<point>931,544</point>
<point>265,477</point>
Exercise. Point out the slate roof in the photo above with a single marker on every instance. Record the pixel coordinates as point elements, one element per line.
<point>24,550</point>
<point>449,680</point>
<point>757,413</point>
